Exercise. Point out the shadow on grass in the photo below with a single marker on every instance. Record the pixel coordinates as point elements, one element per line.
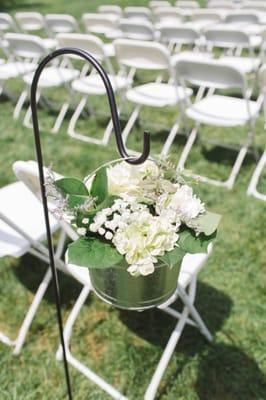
<point>9,5</point>
<point>155,326</point>
<point>30,273</point>
<point>218,154</point>
<point>225,372</point>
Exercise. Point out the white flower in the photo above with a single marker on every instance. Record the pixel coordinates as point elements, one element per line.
<point>143,238</point>
<point>108,236</point>
<point>81,231</point>
<point>180,206</point>
<point>85,220</point>
<point>101,231</point>
<point>93,227</point>
<point>126,179</point>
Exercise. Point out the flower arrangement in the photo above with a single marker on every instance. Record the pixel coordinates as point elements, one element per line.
<point>133,217</point>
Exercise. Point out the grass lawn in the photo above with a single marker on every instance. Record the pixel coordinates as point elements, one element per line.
<point>124,347</point>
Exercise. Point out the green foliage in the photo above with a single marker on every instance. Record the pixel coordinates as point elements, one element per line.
<point>99,187</point>
<point>94,253</point>
<point>71,186</point>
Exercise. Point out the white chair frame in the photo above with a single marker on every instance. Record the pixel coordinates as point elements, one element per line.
<point>189,315</point>
<point>212,83</point>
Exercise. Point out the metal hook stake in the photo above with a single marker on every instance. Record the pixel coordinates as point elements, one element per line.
<point>122,151</point>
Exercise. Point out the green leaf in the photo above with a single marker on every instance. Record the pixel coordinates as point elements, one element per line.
<point>172,258</point>
<point>71,186</point>
<point>190,243</point>
<point>75,200</point>
<point>207,223</point>
<point>94,253</point>
<point>99,187</point>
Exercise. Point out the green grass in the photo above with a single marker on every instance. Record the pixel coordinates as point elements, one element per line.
<point>124,347</point>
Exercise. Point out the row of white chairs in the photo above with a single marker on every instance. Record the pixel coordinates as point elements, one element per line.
<point>151,56</point>
<point>22,231</point>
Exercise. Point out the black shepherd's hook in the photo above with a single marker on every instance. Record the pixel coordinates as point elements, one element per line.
<point>122,151</point>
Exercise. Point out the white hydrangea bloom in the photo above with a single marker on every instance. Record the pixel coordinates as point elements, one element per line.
<point>143,238</point>
<point>126,179</point>
<point>182,206</point>
<point>81,231</point>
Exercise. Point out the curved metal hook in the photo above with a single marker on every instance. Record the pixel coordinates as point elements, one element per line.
<point>110,93</point>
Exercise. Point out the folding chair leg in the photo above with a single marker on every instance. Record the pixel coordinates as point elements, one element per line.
<point>170,138</point>
<point>60,118</point>
<point>187,148</point>
<point>31,312</point>
<point>76,363</point>
<point>252,188</point>
<point>74,119</point>
<point>20,103</point>
<point>165,358</point>
<point>194,313</point>
<point>236,168</point>
<point>132,119</point>
<point>27,119</point>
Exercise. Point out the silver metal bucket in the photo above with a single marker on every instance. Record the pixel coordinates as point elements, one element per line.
<point>117,287</point>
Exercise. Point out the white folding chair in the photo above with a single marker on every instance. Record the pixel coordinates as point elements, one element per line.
<point>92,84</point>
<point>60,23</point>
<point>186,291</point>
<point>242,17</point>
<point>110,10</point>
<point>218,110</point>
<point>149,56</point>
<point>168,15</point>
<point>189,4</point>
<point>137,13</point>
<point>7,23</point>
<point>137,29</point>
<point>153,4</point>
<point>22,230</point>
<point>32,48</point>
<point>178,36</point>
<point>234,41</point>
<point>105,24</point>
<point>222,4</point>
<point>29,21</point>
<point>252,188</point>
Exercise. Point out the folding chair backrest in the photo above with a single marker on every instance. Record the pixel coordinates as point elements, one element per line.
<point>247,17</point>
<point>179,35</point>
<point>7,22</point>
<point>210,74</point>
<point>226,38</point>
<point>224,4</point>
<point>91,43</point>
<point>168,14</point>
<point>142,54</point>
<point>187,4</point>
<point>25,46</point>
<point>139,30</point>
<point>262,78</point>
<point>61,23</point>
<point>137,13</point>
<point>206,15</point>
<point>99,23</point>
<point>110,9</point>
<point>158,3</point>
<point>30,21</point>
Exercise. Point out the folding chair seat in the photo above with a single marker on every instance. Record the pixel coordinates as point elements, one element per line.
<point>137,13</point>
<point>216,109</point>
<point>91,85</point>
<point>31,47</point>
<point>22,230</point>
<point>186,291</point>
<point>150,56</point>
<point>105,24</point>
<point>234,41</point>
<point>60,23</point>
